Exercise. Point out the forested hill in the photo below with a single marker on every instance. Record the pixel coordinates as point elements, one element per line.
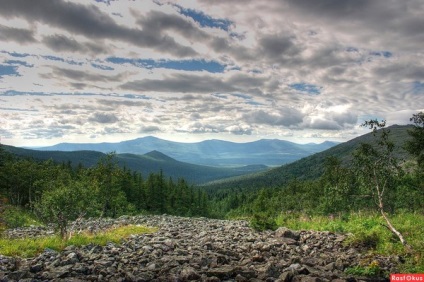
<point>151,162</point>
<point>309,167</point>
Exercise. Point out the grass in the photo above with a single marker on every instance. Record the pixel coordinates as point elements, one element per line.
<point>30,247</point>
<point>367,229</point>
<point>17,217</point>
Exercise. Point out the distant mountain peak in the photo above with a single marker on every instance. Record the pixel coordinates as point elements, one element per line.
<point>215,152</point>
<point>158,156</point>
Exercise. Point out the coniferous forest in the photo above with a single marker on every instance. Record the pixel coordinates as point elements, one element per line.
<point>61,193</point>
<point>374,179</point>
<point>109,190</point>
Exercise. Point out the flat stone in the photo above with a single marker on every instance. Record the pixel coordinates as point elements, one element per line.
<point>224,272</point>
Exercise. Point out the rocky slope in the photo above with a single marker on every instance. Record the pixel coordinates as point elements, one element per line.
<point>195,249</point>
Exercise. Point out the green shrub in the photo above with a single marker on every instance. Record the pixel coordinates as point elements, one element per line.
<point>371,270</point>
<point>14,217</point>
<point>263,221</point>
<point>363,239</point>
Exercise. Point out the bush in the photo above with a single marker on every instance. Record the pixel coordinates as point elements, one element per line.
<point>263,221</point>
<point>371,270</point>
<point>65,203</point>
<point>363,239</point>
<point>14,217</point>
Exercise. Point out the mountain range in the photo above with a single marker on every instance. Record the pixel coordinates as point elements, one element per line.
<point>269,152</point>
<point>312,167</point>
<point>213,177</point>
<point>151,162</point>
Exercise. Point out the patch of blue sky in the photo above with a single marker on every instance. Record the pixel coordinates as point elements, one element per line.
<point>306,88</point>
<point>254,103</point>
<point>220,95</point>
<point>16,55</point>
<point>255,71</point>
<point>59,59</point>
<point>53,58</point>
<point>104,1</point>
<point>239,36</point>
<point>385,54</point>
<point>418,87</point>
<point>18,93</point>
<point>185,65</point>
<point>205,20</point>
<point>193,65</point>
<point>72,62</point>
<point>243,96</point>
<point>18,62</point>
<point>132,96</point>
<point>247,98</point>
<point>19,110</point>
<point>101,67</point>
<point>8,70</point>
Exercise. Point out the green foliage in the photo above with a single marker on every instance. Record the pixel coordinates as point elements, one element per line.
<point>14,217</point>
<point>415,145</point>
<point>367,230</point>
<point>30,247</point>
<point>309,168</point>
<point>263,221</point>
<point>371,270</point>
<point>263,217</point>
<point>66,202</point>
<point>60,193</point>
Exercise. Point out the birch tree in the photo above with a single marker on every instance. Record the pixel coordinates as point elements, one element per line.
<point>377,169</point>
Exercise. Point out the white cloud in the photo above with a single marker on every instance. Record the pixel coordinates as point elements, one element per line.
<point>284,68</point>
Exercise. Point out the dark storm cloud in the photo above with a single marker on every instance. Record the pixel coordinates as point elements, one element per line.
<point>400,70</point>
<point>16,34</point>
<point>83,76</point>
<point>89,21</point>
<point>384,21</point>
<point>239,52</point>
<point>325,125</point>
<point>180,83</point>
<point>62,43</point>
<point>333,8</point>
<point>156,21</point>
<point>278,46</point>
<point>243,81</point>
<point>284,117</point>
<point>345,119</point>
<point>186,83</point>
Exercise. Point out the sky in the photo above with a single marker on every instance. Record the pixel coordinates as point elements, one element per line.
<point>239,70</point>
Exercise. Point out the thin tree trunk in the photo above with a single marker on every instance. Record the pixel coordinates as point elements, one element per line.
<point>393,229</point>
<point>389,224</point>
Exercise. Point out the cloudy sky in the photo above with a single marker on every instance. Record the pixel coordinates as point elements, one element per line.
<point>239,70</point>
